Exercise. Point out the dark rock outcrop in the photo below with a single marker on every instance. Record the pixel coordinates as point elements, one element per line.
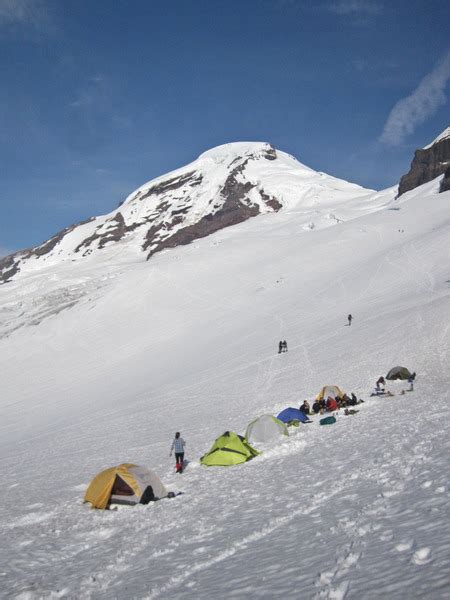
<point>231,213</point>
<point>192,178</point>
<point>112,231</point>
<point>10,265</point>
<point>236,208</point>
<point>428,163</point>
<point>445,183</point>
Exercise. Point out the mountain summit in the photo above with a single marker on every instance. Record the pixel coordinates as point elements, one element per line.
<point>224,186</point>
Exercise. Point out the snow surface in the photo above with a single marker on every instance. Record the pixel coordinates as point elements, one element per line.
<point>102,362</point>
<point>442,136</point>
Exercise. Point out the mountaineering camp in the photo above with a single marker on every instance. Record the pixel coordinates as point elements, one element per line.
<point>128,484</point>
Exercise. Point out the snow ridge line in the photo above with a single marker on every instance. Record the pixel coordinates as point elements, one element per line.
<point>272,526</point>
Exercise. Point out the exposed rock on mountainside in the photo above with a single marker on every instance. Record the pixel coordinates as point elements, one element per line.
<point>224,186</point>
<point>445,183</point>
<point>429,163</point>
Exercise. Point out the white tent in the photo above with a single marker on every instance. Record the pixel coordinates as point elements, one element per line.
<point>266,428</point>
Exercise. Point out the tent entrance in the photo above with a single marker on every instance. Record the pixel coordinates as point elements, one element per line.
<point>121,488</point>
<point>122,493</point>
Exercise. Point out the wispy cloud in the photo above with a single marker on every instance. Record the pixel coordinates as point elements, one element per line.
<point>356,8</point>
<point>416,108</point>
<point>22,12</point>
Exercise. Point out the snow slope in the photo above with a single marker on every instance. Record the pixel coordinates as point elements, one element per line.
<point>102,362</point>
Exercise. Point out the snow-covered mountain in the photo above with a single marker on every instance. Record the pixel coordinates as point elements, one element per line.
<point>104,356</point>
<point>224,186</point>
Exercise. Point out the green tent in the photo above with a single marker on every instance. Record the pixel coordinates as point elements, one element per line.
<point>398,373</point>
<point>229,449</point>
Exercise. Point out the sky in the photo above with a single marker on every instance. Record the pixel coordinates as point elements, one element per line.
<point>98,97</point>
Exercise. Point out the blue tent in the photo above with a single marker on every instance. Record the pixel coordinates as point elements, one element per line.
<point>293,414</point>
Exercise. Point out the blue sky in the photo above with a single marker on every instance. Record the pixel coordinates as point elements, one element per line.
<point>99,96</point>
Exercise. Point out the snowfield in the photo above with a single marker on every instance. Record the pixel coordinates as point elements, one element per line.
<point>103,361</point>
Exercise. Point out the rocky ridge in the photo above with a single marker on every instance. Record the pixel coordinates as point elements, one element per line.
<point>429,163</point>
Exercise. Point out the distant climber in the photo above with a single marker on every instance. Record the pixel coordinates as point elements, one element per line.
<point>280,347</point>
<point>411,382</point>
<point>284,346</point>
<point>350,319</point>
<point>178,445</point>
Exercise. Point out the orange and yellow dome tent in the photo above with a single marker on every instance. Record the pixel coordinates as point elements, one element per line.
<point>124,484</point>
<point>330,390</point>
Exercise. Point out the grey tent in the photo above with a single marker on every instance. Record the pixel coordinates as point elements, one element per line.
<point>398,373</point>
<point>265,428</point>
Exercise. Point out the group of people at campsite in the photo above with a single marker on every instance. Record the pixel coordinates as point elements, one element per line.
<point>330,404</point>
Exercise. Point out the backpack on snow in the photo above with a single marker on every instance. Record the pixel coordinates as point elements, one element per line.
<point>328,421</point>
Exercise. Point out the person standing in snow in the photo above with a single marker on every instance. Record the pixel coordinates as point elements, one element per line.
<point>380,384</point>
<point>280,347</point>
<point>349,320</point>
<point>178,445</point>
<point>285,345</point>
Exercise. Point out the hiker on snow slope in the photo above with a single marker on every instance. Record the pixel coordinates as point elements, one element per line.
<point>178,445</point>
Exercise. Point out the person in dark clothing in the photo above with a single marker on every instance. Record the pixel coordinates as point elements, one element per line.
<point>280,347</point>
<point>345,400</point>
<point>305,408</point>
<point>285,345</point>
<point>380,383</point>
<point>411,382</point>
<point>350,318</point>
<point>316,407</point>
